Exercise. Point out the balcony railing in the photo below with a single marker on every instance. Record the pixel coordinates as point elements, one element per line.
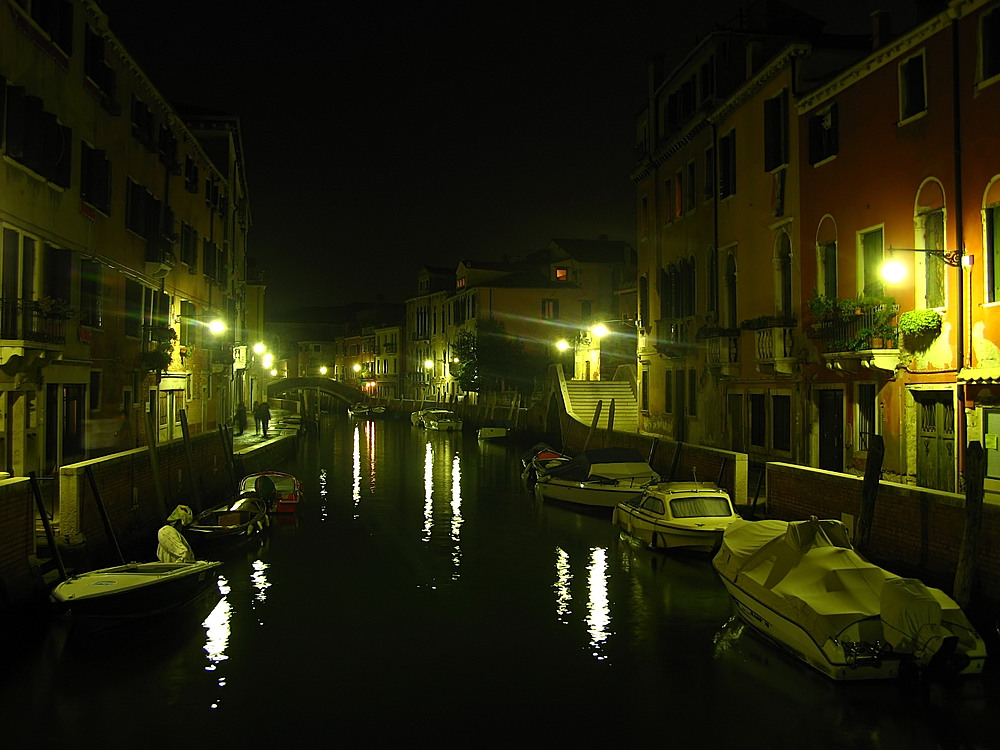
<point>871,328</point>
<point>27,320</point>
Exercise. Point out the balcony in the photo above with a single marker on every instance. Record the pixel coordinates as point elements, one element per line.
<point>865,337</point>
<point>774,349</point>
<point>31,328</point>
<point>671,338</point>
<point>722,349</point>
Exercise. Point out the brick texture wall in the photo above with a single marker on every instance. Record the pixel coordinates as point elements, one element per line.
<point>915,531</point>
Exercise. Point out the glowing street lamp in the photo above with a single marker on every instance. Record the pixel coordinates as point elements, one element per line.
<point>894,271</point>
<point>322,370</point>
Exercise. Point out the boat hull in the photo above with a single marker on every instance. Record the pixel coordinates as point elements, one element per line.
<point>136,590</point>
<point>586,494</point>
<point>829,658</point>
<point>670,536</point>
<point>490,433</point>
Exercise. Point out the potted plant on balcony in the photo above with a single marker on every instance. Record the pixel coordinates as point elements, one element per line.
<point>919,327</point>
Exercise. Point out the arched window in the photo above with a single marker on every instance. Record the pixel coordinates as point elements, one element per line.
<point>827,278</point>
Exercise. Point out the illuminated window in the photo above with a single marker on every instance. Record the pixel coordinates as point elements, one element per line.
<point>562,274</point>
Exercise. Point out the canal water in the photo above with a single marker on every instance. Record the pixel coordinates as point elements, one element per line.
<point>422,596</point>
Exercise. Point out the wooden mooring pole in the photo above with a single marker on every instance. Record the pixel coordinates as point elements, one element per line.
<point>975,477</point>
<point>869,492</point>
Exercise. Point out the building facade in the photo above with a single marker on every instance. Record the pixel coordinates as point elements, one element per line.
<point>123,236</point>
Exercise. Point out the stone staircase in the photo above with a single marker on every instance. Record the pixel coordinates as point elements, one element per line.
<point>583,395</point>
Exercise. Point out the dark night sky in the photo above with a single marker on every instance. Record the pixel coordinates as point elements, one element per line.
<point>383,136</point>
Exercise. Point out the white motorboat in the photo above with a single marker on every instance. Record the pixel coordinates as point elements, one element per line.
<point>491,432</point>
<point>677,515</point>
<point>802,585</point>
<point>599,478</point>
<point>135,590</point>
<point>442,420</point>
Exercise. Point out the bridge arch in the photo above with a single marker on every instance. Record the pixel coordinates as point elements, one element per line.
<point>333,388</point>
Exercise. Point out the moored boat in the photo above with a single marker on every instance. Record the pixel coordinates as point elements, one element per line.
<point>491,432</point>
<point>358,411</point>
<point>280,492</point>
<point>442,420</point>
<point>225,525</point>
<point>677,515</point>
<point>135,590</point>
<point>538,459</point>
<point>802,586</point>
<point>599,478</point>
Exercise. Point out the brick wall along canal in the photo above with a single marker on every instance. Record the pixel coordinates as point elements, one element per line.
<point>421,595</point>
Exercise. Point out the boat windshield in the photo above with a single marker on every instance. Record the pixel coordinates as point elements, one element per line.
<point>701,506</point>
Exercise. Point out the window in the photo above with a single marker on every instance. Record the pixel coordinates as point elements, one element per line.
<point>34,137</point>
<point>692,405</point>
<point>586,310</point>
<point>550,309</point>
<point>209,258</point>
<point>95,178</point>
<point>781,413</point>
<point>668,201</point>
<point>712,298</point>
<point>991,417</point>
<point>189,246</point>
<point>727,164</point>
<point>144,124</point>
<point>91,293</point>
<point>989,42</point>
<point>679,194</point>
<point>190,175</point>
<point>95,67</point>
<point>991,216</point>
<point>55,18</point>
<point>758,420</point>
<point>730,299</point>
<point>562,274</point>
<point>784,276</point>
<point>866,415</point>
<point>871,257</point>
<point>823,135</point>
<point>668,392</point>
<point>826,253</point>
<point>689,187</point>
<point>709,173</point>
<point>912,93</point>
<point>644,320</point>
<point>934,267</point>
<point>133,308</point>
<point>776,131</point>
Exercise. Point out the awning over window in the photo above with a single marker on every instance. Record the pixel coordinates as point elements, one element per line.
<point>987,375</point>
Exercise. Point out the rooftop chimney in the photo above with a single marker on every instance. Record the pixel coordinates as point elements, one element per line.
<point>881,23</point>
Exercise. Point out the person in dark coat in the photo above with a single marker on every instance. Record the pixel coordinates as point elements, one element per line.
<point>241,418</point>
<point>256,418</point>
<point>265,416</point>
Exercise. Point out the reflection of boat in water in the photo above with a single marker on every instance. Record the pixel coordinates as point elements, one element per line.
<point>677,515</point>
<point>802,586</point>
<point>135,590</point>
<point>599,478</point>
